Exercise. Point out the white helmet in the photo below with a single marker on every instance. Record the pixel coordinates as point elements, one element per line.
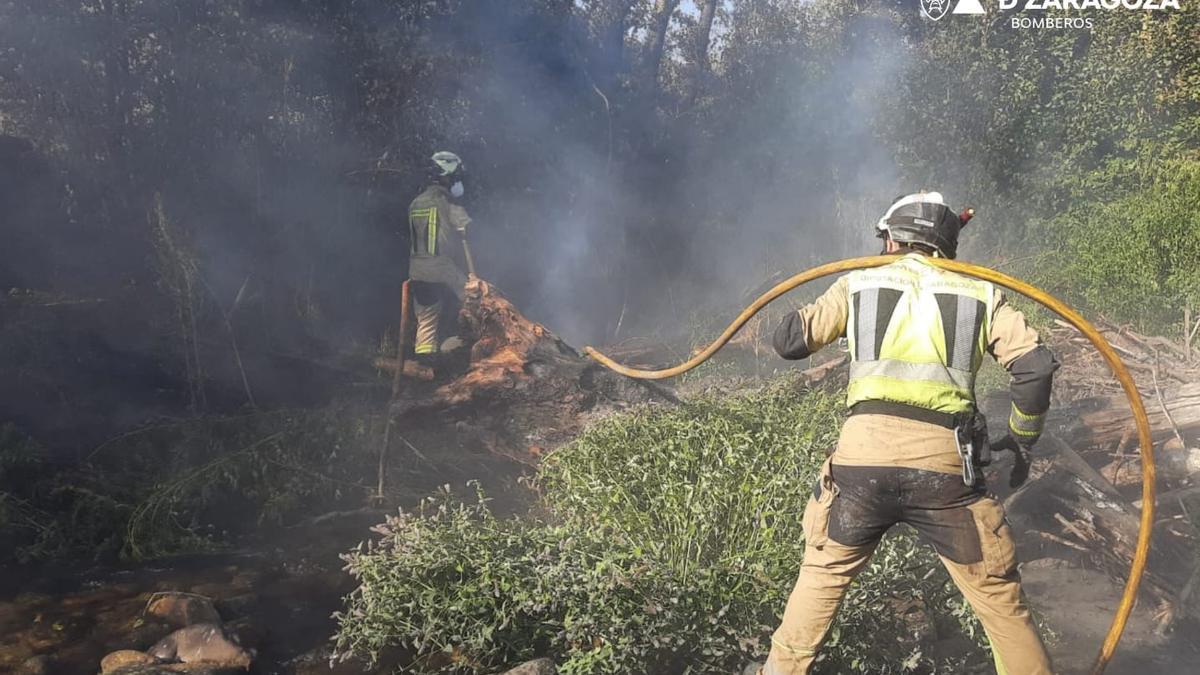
<point>924,219</point>
<point>445,164</point>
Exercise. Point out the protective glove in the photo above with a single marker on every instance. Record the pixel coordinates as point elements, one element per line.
<point>1022,458</point>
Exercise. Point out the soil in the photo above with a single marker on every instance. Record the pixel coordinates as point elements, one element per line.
<point>1078,604</point>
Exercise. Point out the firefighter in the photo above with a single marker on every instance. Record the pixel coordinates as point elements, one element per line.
<point>437,229</point>
<point>917,336</point>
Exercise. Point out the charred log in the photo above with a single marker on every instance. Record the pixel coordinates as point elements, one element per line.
<point>519,390</point>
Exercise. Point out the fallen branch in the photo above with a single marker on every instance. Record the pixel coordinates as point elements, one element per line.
<point>1072,461</point>
<point>1059,540</point>
<point>1073,529</point>
<point>1172,495</point>
<point>1163,404</point>
<point>817,373</point>
<point>1104,420</point>
<point>336,515</point>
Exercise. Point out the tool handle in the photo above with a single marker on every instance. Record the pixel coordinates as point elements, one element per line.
<point>467,253</point>
<point>401,336</point>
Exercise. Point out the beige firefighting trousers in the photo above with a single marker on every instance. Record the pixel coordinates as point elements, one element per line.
<point>434,282</point>
<point>990,581</point>
<point>427,327</point>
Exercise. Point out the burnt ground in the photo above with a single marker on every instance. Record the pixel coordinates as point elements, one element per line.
<point>1077,604</point>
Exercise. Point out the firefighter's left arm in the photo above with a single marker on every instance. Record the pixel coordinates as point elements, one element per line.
<point>813,326</point>
<point>1019,349</point>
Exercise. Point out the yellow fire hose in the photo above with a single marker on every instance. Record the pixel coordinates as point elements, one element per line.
<point>1141,552</point>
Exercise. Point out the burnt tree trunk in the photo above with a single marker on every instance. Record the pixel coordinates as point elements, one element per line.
<point>1104,420</point>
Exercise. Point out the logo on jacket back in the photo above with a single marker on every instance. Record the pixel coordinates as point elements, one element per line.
<point>935,9</point>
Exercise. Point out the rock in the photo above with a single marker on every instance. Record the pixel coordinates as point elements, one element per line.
<point>245,633</point>
<point>237,606</point>
<point>535,667</point>
<point>202,642</point>
<point>35,665</point>
<point>176,668</point>
<point>204,669</point>
<point>142,633</point>
<point>182,609</point>
<point>123,658</point>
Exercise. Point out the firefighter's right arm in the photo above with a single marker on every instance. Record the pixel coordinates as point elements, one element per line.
<point>459,218</point>
<point>813,326</point>
<point>1019,349</point>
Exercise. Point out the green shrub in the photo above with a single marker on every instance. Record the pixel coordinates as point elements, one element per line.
<point>669,541</point>
<point>1131,245</point>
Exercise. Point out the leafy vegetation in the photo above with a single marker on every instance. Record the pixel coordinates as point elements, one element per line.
<point>179,487</point>
<point>1134,235</point>
<point>668,543</point>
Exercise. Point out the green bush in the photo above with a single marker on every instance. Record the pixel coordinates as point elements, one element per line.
<point>668,543</point>
<point>1131,245</point>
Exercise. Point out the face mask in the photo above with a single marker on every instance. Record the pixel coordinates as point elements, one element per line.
<point>456,190</point>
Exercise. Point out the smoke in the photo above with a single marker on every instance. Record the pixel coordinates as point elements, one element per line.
<point>285,141</point>
<point>605,234</point>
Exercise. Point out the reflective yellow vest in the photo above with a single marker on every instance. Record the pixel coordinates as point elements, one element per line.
<point>426,222</point>
<point>917,335</point>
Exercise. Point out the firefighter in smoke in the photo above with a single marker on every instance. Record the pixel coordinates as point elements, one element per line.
<point>910,450</point>
<point>437,231</point>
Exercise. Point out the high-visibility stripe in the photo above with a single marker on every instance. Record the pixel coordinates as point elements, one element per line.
<point>873,310</point>
<point>962,321</point>
<point>795,651</point>
<point>867,304</point>
<point>1000,669</point>
<point>425,349</point>
<point>966,332</point>
<point>1025,425</point>
<point>906,370</point>
<point>433,225</point>
<point>430,218</point>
